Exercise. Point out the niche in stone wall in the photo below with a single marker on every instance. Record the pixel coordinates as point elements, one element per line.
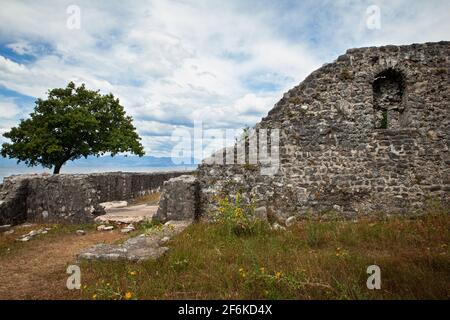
<point>388,99</point>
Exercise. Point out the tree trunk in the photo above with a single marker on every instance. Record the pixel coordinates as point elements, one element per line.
<point>57,168</point>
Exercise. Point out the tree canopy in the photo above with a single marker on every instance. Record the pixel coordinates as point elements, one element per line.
<point>73,122</point>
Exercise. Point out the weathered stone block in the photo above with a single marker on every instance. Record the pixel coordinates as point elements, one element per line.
<point>179,199</point>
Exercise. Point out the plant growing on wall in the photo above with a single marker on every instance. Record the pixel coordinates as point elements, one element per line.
<point>73,122</point>
<point>238,217</point>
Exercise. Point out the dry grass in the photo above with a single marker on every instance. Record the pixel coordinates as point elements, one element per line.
<point>37,269</point>
<point>312,260</point>
<point>151,199</point>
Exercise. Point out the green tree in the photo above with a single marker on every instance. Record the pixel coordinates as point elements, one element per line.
<point>71,123</point>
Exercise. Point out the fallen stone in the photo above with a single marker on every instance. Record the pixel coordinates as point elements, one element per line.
<point>24,239</point>
<point>27,225</point>
<point>5,227</point>
<point>108,228</point>
<point>164,240</point>
<point>277,227</point>
<point>125,230</point>
<point>34,233</point>
<point>81,232</point>
<point>113,204</point>
<point>290,221</point>
<point>9,232</point>
<point>261,213</point>
<point>101,227</point>
<point>139,248</point>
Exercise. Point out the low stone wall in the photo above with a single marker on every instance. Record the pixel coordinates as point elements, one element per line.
<point>126,186</point>
<point>12,201</point>
<point>72,198</point>
<point>180,200</point>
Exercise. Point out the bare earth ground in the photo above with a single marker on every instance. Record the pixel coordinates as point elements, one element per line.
<point>37,270</point>
<point>131,214</point>
<point>312,259</point>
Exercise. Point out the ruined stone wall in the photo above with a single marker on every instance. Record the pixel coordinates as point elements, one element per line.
<point>126,186</point>
<point>72,198</point>
<point>366,133</point>
<point>180,200</point>
<point>12,202</point>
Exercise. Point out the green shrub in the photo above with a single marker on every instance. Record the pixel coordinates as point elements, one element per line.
<point>149,226</point>
<point>346,75</point>
<point>238,217</point>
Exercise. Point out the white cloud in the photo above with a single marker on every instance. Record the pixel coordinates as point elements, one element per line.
<point>169,62</point>
<point>21,47</point>
<point>8,108</point>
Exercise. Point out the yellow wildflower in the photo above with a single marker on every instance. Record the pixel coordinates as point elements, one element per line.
<point>278,275</point>
<point>128,295</point>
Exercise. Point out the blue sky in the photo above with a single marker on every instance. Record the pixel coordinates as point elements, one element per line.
<point>170,62</point>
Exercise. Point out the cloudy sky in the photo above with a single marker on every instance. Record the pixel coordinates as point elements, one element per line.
<point>223,62</point>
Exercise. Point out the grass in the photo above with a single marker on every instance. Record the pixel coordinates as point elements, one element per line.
<point>37,269</point>
<point>346,75</point>
<point>311,260</point>
<point>9,244</point>
<point>151,199</point>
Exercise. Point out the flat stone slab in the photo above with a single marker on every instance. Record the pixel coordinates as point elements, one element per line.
<point>131,214</point>
<point>140,248</point>
<point>113,204</point>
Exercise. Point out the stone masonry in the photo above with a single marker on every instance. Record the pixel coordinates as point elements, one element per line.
<point>71,198</point>
<point>180,200</point>
<point>366,133</point>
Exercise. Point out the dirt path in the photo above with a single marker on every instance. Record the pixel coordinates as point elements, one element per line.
<point>130,214</point>
<point>39,270</point>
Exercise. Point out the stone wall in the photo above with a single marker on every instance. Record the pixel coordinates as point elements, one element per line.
<point>366,133</point>
<point>180,200</point>
<point>12,201</point>
<point>72,198</point>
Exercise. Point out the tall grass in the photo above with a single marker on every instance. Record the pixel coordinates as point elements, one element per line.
<point>310,260</point>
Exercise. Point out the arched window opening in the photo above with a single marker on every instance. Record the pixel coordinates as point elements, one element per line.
<point>388,96</point>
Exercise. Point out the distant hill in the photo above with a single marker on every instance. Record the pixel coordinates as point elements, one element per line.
<point>117,161</point>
